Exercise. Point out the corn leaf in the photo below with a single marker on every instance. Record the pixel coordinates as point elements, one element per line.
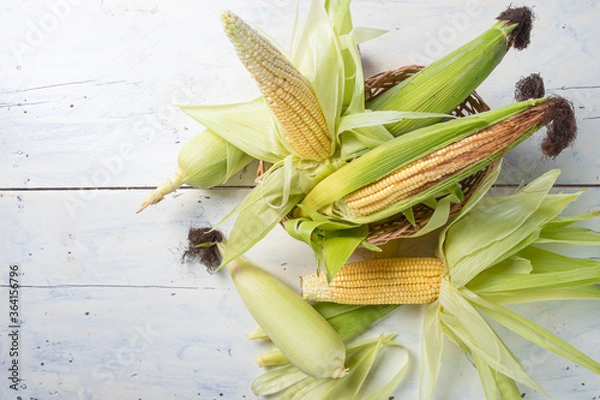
<point>487,378</point>
<point>510,282</point>
<point>248,126</point>
<point>362,35</point>
<point>508,387</point>
<point>331,310</point>
<point>544,261</point>
<point>571,234</point>
<point>339,245</point>
<point>461,319</point>
<point>370,118</point>
<point>339,14</point>
<point>568,220</point>
<point>308,388</point>
<point>504,216</point>
<point>354,90</point>
<point>386,390</point>
<point>432,350</point>
<point>360,357</point>
<point>262,209</point>
<point>439,217</point>
<point>353,322</point>
<point>347,319</point>
<point>533,332</point>
<point>277,379</point>
<point>357,375</point>
<point>591,292</point>
<point>509,232</point>
<point>357,141</point>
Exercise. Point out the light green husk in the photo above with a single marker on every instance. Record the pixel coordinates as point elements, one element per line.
<point>302,334</point>
<point>348,321</point>
<point>293,384</point>
<point>492,258</point>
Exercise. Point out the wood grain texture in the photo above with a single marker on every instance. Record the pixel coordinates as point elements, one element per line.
<point>88,126</point>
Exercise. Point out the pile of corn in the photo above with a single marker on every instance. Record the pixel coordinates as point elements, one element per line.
<point>339,165</point>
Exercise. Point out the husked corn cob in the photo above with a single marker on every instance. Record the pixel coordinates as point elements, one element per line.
<point>410,280</point>
<point>287,92</point>
<point>425,172</point>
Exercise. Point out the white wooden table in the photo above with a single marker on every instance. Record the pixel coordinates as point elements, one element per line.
<point>88,127</point>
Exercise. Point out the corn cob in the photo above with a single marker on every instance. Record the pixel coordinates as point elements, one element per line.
<point>444,84</point>
<point>393,179</point>
<point>382,281</point>
<point>425,172</point>
<point>287,92</point>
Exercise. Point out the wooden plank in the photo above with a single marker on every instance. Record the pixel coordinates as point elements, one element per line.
<point>109,117</point>
<point>154,344</point>
<point>158,328</point>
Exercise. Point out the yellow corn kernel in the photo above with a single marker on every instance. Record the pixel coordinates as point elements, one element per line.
<point>287,92</point>
<point>429,170</point>
<point>410,280</point>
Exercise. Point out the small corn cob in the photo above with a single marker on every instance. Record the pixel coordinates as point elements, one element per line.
<point>444,84</point>
<point>205,161</point>
<point>410,280</point>
<point>287,92</point>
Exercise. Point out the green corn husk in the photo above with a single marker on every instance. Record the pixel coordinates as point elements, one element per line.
<point>205,161</point>
<point>447,82</point>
